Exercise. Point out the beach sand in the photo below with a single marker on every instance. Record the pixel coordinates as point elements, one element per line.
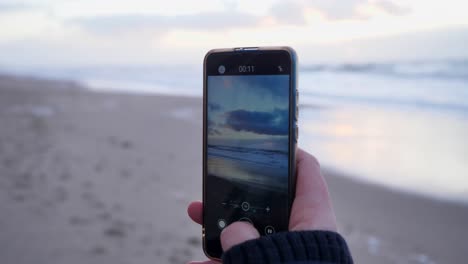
<point>89,177</point>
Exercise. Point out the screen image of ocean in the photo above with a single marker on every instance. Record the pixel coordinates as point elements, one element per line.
<point>262,168</point>
<point>403,125</point>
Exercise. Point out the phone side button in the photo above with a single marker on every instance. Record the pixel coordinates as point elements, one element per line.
<point>297,133</point>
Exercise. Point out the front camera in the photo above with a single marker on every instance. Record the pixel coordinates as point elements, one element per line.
<point>221,69</point>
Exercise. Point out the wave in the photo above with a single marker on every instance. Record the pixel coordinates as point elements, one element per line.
<point>270,158</point>
<point>382,101</point>
<point>443,69</point>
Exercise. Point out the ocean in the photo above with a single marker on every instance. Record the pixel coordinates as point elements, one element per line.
<point>401,125</point>
<point>266,169</point>
<point>404,126</point>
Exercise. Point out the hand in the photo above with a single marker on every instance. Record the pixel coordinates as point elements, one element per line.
<point>312,208</point>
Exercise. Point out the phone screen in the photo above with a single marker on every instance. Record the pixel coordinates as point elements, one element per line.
<point>247,143</point>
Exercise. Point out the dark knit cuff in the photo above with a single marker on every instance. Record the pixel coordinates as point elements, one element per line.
<point>292,247</point>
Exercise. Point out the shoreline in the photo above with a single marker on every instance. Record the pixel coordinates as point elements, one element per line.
<point>78,87</point>
<point>395,189</point>
<point>25,82</point>
<point>101,167</point>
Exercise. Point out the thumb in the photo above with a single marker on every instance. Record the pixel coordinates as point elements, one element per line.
<point>237,233</point>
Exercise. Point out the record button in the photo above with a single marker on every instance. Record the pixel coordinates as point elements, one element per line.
<point>269,230</point>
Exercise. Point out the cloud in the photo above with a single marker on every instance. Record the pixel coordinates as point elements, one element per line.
<point>288,12</point>
<point>294,11</point>
<point>268,123</point>
<point>212,127</point>
<point>391,8</point>
<point>9,7</point>
<point>207,21</point>
<point>214,132</point>
<point>337,9</point>
<point>439,44</point>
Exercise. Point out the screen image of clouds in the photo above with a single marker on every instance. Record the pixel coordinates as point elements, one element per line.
<point>248,124</point>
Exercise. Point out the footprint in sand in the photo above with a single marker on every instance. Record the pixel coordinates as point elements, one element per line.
<point>65,176</point>
<point>18,197</point>
<point>119,229</point>
<point>8,163</point>
<point>180,255</point>
<point>124,144</point>
<point>99,250</point>
<point>23,181</point>
<point>78,221</point>
<point>194,241</point>
<point>91,199</point>
<point>87,185</point>
<point>99,167</point>
<point>158,252</point>
<point>115,232</point>
<point>60,194</point>
<point>117,207</point>
<point>146,240</point>
<point>125,173</point>
<point>105,216</point>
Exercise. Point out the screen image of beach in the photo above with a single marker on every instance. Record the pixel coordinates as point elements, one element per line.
<point>247,165</point>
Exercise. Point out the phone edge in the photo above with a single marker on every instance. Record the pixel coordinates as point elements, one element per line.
<point>293,127</point>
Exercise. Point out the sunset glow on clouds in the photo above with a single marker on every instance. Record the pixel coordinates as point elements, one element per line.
<point>236,118</point>
<point>180,32</point>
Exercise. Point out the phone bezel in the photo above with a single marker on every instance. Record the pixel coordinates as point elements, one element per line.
<point>293,128</point>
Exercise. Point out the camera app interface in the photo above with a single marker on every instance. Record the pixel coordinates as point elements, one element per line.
<point>247,152</point>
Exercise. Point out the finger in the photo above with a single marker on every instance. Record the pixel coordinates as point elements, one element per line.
<point>312,208</point>
<point>309,177</point>
<point>195,211</point>
<point>236,233</point>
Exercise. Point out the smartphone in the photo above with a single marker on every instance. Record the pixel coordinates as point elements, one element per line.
<point>249,140</point>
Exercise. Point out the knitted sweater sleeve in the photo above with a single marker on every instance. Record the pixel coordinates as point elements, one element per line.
<point>299,247</point>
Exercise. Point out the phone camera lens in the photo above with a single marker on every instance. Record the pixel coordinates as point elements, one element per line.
<point>221,69</point>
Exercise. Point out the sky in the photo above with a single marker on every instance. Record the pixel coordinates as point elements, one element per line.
<point>142,32</point>
<point>236,118</point>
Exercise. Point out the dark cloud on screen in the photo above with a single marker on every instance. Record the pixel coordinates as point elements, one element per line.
<point>267,123</point>
<point>214,107</point>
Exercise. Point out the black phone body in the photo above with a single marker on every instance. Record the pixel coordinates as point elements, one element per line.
<point>249,140</point>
